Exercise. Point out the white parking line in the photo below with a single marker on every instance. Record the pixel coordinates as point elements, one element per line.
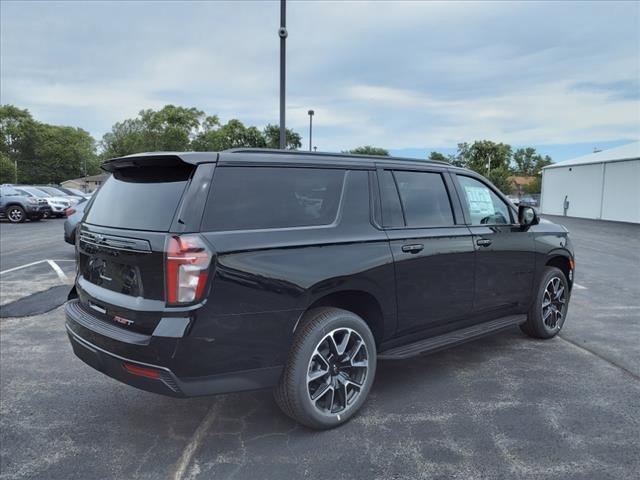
<point>52,264</point>
<point>21,266</point>
<point>61,275</point>
<point>579,287</point>
<point>194,443</point>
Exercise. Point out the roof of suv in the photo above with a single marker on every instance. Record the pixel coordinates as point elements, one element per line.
<point>262,155</point>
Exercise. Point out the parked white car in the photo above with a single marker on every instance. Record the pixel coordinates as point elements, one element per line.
<point>58,204</point>
<point>56,192</point>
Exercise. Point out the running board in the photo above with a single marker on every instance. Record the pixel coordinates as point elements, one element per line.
<point>429,345</point>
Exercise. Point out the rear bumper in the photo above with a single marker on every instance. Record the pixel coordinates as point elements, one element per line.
<point>83,333</point>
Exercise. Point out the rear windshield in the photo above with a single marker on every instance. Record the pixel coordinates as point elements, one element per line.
<point>248,198</point>
<point>139,198</point>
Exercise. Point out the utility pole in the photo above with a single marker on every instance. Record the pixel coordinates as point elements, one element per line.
<point>282,33</point>
<point>310,112</point>
<point>15,163</point>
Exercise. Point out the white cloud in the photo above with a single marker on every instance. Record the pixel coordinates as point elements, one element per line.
<point>395,74</point>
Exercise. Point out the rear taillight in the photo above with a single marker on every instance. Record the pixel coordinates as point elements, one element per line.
<point>69,211</point>
<point>186,268</point>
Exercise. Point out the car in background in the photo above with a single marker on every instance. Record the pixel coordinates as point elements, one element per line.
<point>58,204</point>
<point>74,216</point>
<point>514,199</point>
<point>75,192</point>
<point>529,201</point>
<point>17,207</point>
<point>56,192</point>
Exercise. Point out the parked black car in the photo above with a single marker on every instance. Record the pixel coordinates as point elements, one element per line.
<point>258,268</point>
<point>74,216</point>
<point>17,207</point>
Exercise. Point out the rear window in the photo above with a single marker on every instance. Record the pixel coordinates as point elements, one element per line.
<point>140,198</point>
<point>248,198</point>
<point>425,199</point>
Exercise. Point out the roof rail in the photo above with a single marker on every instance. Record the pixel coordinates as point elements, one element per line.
<point>274,151</point>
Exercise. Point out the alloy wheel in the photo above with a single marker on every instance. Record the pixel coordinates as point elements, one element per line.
<point>15,215</point>
<point>337,371</point>
<point>554,303</point>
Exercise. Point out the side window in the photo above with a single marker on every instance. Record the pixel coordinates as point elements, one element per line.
<point>391,208</point>
<point>250,198</point>
<point>424,198</point>
<point>485,207</point>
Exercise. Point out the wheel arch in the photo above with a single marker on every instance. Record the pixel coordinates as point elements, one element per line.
<point>362,303</point>
<point>563,262</point>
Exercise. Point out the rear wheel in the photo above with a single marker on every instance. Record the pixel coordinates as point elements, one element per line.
<point>330,370</point>
<point>15,214</point>
<point>549,310</point>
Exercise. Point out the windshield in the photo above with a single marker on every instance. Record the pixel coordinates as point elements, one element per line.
<point>74,191</point>
<point>33,192</point>
<point>52,191</point>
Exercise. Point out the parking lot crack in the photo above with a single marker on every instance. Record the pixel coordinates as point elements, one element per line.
<point>601,357</point>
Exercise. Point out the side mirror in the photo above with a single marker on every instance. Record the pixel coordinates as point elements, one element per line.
<point>527,216</point>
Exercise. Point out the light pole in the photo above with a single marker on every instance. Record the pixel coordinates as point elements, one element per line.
<point>310,112</point>
<point>282,33</point>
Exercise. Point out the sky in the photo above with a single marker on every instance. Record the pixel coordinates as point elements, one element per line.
<point>412,77</point>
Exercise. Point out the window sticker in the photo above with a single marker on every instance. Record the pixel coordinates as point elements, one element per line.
<point>479,200</point>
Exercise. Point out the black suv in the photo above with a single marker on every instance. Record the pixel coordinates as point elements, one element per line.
<point>17,207</point>
<point>247,269</point>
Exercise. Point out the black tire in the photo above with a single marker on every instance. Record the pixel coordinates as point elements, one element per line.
<point>15,214</point>
<point>293,393</point>
<point>546,322</point>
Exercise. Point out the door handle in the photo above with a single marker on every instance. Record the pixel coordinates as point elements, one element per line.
<point>415,248</point>
<point>483,242</point>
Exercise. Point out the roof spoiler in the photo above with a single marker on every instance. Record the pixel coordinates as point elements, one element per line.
<point>158,159</point>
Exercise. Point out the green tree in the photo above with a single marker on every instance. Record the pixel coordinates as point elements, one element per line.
<point>7,169</point>
<point>61,153</point>
<point>500,178</point>
<point>272,137</point>
<point>528,162</point>
<point>369,150</point>
<point>484,155</point>
<point>438,157</point>
<point>44,153</point>
<point>18,136</point>
<point>170,129</point>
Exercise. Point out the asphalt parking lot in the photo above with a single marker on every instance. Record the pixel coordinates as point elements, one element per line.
<point>501,407</point>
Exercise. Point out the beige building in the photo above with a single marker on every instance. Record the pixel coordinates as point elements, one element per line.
<point>86,184</point>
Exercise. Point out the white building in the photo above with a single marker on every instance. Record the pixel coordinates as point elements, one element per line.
<point>603,185</point>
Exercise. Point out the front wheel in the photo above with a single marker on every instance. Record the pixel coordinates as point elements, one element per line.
<point>16,214</point>
<point>549,309</point>
<point>330,369</point>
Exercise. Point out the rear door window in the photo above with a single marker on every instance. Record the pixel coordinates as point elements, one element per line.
<point>140,198</point>
<point>424,199</point>
<point>248,198</point>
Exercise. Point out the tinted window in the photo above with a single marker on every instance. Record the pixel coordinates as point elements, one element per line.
<point>244,198</point>
<point>139,199</point>
<point>424,198</point>
<point>485,207</point>
<point>391,209</point>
